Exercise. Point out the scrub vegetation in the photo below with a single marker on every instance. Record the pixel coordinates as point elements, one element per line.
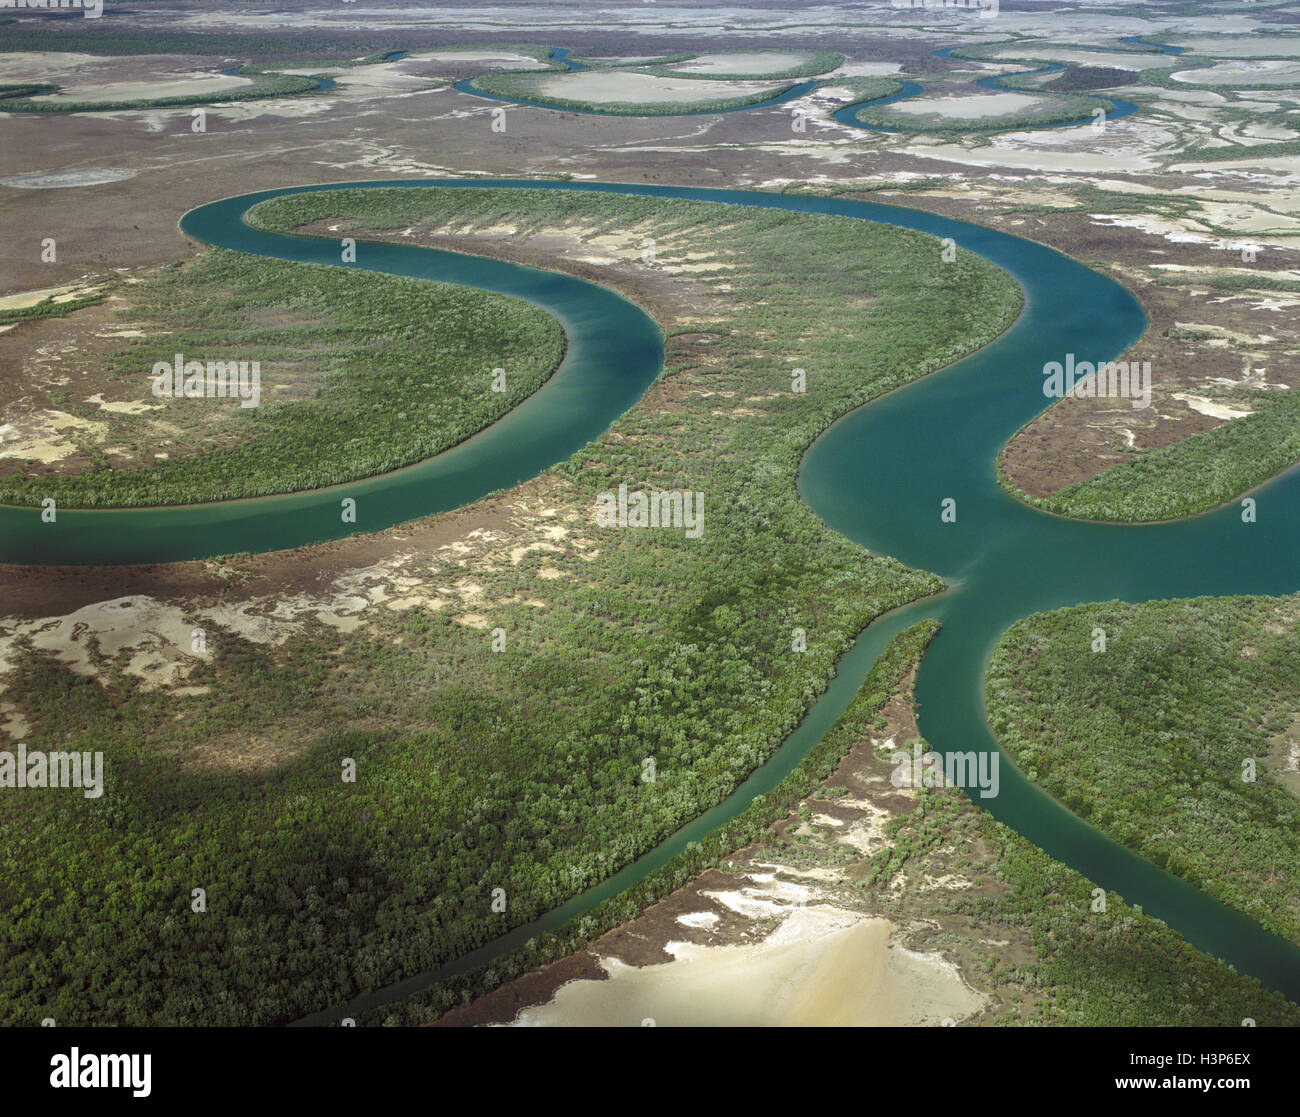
<point>521,769</point>
<point>48,308</point>
<point>15,98</point>
<point>1117,968</point>
<point>1198,473</point>
<point>1055,109</point>
<point>868,89</point>
<point>361,373</point>
<point>1149,739</point>
<point>1079,78</point>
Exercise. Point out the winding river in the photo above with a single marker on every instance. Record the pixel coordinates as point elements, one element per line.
<point>878,475</point>
<point>848,115</point>
<point>561,55</point>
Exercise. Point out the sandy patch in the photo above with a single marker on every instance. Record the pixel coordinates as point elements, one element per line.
<point>125,407</point>
<point>968,108</point>
<point>1267,72</point>
<point>151,633</point>
<point>1003,152</point>
<point>1165,227</point>
<point>1117,59</point>
<point>1251,378</point>
<point>749,903</point>
<point>867,836</point>
<point>1245,47</point>
<point>50,66</point>
<point>62,294</point>
<point>758,65</point>
<point>154,638</point>
<point>867,69</point>
<point>497,59</point>
<point>1211,407</point>
<point>366,81</point>
<point>632,88</point>
<point>192,84</point>
<point>57,180</point>
<point>13,723</point>
<point>822,967</point>
<point>47,436</point>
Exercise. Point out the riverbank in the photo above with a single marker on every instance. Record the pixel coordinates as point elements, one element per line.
<point>425,701</point>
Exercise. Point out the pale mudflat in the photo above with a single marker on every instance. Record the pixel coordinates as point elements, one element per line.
<point>1274,71</point>
<point>761,64</point>
<point>169,85</point>
<point>1246,46</point>
<point>968,108</point>
<point>598,87</point>
<point>821,967</point>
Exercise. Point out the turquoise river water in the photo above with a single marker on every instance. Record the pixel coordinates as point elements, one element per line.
<point>878,475</point>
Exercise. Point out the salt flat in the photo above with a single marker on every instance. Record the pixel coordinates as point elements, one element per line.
<point>632,88</point>
<point>766,62</point>
<point>1261,72</point>
<point>968,108</point>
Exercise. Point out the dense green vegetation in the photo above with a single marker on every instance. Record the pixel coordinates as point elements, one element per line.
<point>869,89</point>
<point>1078,78</point>
<point>1117,968</point>
<point>1275,149</point>
<point>820,62</point>
<point>12,90</point>
<point>1147,739</point>
<point>1231,282</point>
<point>378,372</point>
<point>48,308</point>
<point>520,769</point>
<point>522,87</point>
<point>750,825</point>
<point>1186,477</point>
<point>13,98</point>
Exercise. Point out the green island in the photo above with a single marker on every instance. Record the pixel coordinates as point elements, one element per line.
<point>1057,108</point>
<point>1162,77</point>
<point>1178,739</point>
<point>541,54</point>
<point>819,62</point>
<point>522,87</point>
<point>1198,473</point>
<point>868,89</point>
<point>1205,55</point>
<point>519,769</point>
<point>1113,968</point>
<point>1062,97</point>
<point>1117,968</point>
<point>15,98</point>
<point>360,374</point>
